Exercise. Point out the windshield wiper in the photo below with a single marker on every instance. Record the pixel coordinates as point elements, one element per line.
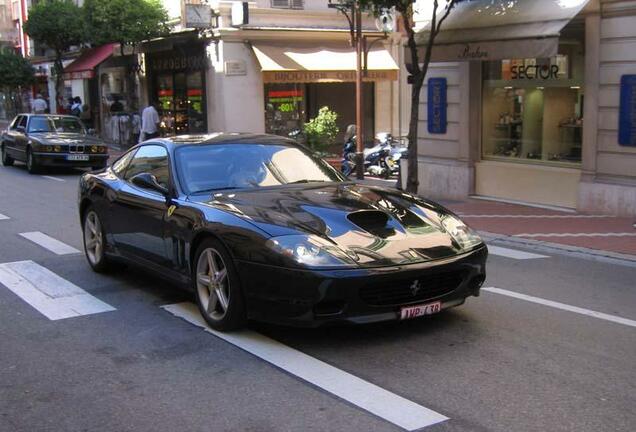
<point>307,181</point>
<point>214,189</point>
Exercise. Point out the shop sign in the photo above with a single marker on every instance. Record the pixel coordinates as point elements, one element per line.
<point>627,111</point>
<point>235,67</point>
<point>192,62</point>
<point>436,119</point>
<point>326,76</point>
<point>88,74</point>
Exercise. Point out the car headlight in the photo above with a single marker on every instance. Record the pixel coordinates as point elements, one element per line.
<point>462,234</point>
<point>310,250</point>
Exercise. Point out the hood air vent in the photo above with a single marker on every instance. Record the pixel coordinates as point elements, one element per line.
<point>372,221</point>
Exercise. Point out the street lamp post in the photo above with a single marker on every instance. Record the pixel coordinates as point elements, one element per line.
<point>353,12</point>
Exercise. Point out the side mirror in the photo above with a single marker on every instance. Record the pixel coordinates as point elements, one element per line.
<point>148,181</point>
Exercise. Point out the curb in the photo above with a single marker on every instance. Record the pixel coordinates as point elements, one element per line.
<point>581,252</point>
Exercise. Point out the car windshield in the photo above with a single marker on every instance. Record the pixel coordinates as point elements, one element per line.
<point>205,168</point>
<point>55,124</point>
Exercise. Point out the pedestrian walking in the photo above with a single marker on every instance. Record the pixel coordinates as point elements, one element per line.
<point>149,122</point>
<point>39,105</point>
<point>76,107</point>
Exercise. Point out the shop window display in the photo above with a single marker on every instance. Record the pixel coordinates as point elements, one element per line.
<point>533,108</point>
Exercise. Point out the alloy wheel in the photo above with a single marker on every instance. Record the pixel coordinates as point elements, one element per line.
<point>213,284</point>
<point>93,240</point>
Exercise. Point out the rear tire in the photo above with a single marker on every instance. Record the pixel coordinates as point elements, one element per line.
<point>32,166</point>
<point>95,241</point>
<point>217,287</point>
<point>6,159</point>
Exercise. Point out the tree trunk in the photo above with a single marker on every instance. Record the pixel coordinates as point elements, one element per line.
<point>412,181</point>
<point>58,67</point>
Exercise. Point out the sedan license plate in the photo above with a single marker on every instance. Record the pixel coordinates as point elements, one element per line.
<point>419,310</point>
<point>77,157</point>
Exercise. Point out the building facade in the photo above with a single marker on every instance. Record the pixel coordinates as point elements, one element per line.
<point>539,122</point>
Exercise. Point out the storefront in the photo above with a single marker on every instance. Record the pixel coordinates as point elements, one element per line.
<point>517,103</point>
<point>177,80</point>
<point>299,80</point>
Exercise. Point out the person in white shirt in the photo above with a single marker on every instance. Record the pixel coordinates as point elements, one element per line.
<point>149,122</point>
<point>39,105</point>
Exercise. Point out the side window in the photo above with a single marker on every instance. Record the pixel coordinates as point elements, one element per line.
<point>23,121</point>
<point>16,122</point>
<point>151,159</point>
<point>120,165</point>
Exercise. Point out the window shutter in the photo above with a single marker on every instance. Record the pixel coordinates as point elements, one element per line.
<point>280,4</point>
<point>297,4</point>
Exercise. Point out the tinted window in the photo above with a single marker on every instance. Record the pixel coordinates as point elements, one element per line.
<point>122,163</point>
<point>152,159</point>
<point>203,168</point>
<point>55,124</point>
<point>23,121</point>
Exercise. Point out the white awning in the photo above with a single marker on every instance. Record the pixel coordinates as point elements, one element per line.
<point>501,29</point>
<point>332,63</point>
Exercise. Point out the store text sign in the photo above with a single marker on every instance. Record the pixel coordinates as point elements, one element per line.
<point>326,76</point>
<point>627,114</point>
<point>436,106</point>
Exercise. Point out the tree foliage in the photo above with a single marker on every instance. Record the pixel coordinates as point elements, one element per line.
<point>58,24</point>
<point>15,71</point>
<point>418,64</point>
<point>321,130</point>
<point>127,22</point>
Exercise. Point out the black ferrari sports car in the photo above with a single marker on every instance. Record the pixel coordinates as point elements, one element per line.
<point>41,140</point>
<point>261,229</point>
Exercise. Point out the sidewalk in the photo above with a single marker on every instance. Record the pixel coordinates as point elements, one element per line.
<point>616,235</point>
<point>600,232</point>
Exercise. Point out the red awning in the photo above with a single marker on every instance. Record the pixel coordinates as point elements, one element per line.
<point>84,66</point>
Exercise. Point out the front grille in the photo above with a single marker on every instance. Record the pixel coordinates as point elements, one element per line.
<point>403,291</point>
<point>76,149</point>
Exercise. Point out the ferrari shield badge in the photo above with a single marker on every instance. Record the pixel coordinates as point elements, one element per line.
<point>171,210</point>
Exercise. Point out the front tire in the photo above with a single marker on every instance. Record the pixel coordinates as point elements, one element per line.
<point>217,287</point>
<point>6,159</point>
<point>95,241</point>
<point>32,166</point>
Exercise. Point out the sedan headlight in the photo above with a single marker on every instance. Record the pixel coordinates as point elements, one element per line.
<point>461,233</point>
<point>310,250</point>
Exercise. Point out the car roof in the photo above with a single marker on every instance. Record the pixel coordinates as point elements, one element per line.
<point>228,138</point>
<point>47,115</point>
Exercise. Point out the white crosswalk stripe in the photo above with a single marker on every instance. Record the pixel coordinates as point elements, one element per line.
<point>49,243</point>
<point>393,408</point>
<point>51,295</point>
<point>513,253</point>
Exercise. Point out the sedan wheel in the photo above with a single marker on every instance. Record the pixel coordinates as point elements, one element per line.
<point>217,288</point>
<point>32,167</point>
<point>94,241</point>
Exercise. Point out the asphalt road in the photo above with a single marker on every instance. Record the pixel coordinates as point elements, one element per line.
<point>498,363</point>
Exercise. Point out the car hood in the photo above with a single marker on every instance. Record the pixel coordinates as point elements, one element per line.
<point>379,226</point>
<point>64,138</point>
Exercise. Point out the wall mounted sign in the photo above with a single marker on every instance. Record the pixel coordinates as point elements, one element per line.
<point>306,76</point>
<point>627,111</point>
<point>235,67</point>
<point>184,62</point>
<point>436,119</point>
<point>197,16</point>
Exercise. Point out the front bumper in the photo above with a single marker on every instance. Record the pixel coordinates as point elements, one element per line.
<point>313,298</point>
<point>60,160</point>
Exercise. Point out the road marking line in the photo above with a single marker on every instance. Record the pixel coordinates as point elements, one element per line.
<point>3,217</point>
<point>513,253</point>
<point>52,296</point>
<point>562,306</point>
<point>49,243</point>
<point>53,178</point>
<point>608,234</point>
<point>382,403</point>
<point>534,216</point>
